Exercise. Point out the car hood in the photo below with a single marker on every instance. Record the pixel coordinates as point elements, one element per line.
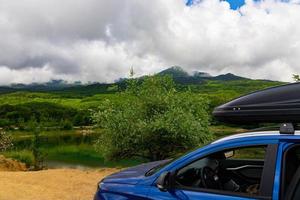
<point>134,174</point>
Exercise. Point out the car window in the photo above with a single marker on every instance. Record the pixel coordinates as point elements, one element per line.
<point>239,171</point>
<point>249,153</point>
<point>291,171</point>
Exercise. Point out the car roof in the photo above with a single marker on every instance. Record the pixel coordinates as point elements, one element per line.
<point>266,134</point>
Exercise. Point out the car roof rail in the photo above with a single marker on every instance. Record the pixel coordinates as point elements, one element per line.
<point>287,128</point>
<point>284,128</point>
<point>264,128</point>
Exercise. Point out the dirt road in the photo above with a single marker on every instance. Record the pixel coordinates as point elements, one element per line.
<point>59,184</point>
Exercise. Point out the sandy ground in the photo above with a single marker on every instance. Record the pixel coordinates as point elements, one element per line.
<point>7,164</point>
<point>58,184</point>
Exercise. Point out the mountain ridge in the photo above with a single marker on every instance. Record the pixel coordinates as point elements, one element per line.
<point>197,77</point>
<point>179,75</point>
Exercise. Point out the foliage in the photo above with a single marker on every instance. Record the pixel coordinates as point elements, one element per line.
<point>5,141</point>
<point>73,104</point>
<point>53,114</point>
<point>82,118</point>
<point>153,121</point>
<point>296,77</point>
<point>66,125</point>
<point>24,156</point>
<point>38,156</point>
<point>17,109</point>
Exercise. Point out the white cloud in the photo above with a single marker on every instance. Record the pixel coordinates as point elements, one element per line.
<point>97,40</point>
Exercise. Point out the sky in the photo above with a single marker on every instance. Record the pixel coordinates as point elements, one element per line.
<point>100,40</point>
<point>234,4</point>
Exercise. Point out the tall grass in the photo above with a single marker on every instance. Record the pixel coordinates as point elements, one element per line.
<point>24,156</point>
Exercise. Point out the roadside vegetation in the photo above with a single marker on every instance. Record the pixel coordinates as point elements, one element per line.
<point>154,122</point>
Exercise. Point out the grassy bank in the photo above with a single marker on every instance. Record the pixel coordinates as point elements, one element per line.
<point>71,155</point>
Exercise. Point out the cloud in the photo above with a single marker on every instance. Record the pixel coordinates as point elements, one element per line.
<point>97,40</point>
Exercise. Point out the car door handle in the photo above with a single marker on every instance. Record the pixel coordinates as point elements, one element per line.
<point>243,167</point>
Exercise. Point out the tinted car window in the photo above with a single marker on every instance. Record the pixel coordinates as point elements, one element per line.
<point>241,172</point>
<point>249,153</point>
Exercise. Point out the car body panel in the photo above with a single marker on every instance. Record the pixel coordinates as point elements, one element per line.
<point>132,175</point>
<point>156,194</point>
<point>116,191</point>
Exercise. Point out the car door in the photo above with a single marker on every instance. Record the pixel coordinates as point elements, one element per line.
<point>290,171</point>
<point>183,194</point>
<point>250,170</point>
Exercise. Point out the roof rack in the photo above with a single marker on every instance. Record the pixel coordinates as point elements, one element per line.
<point>284,128</point>
<point>287,128</point>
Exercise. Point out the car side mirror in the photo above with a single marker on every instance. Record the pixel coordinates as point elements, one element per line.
<point>163,182</point>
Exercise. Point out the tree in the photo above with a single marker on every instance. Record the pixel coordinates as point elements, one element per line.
<point>154,121</point>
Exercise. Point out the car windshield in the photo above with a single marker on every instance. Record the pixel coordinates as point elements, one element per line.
<point>160,166</point>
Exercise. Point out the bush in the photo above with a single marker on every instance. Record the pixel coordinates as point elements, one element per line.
<point>66,125</point>
<point>4,123</point>
<point>154,121</point>
<point>82,118</point>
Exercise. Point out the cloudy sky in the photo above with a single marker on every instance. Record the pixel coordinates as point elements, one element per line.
<point>99,40</point>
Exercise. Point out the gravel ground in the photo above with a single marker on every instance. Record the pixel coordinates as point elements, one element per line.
<point>58,184</point>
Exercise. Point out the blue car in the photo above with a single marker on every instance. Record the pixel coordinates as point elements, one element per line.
<point>254,165</point>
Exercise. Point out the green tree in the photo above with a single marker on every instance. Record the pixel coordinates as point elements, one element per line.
<point>154,121</point>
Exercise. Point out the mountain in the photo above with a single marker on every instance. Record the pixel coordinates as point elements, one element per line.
<point>228,77</point>
<point>175,72</point>
<point>51,85</point>
<point>202,74</point>
<point>6,89</point>
<point>182,77</point>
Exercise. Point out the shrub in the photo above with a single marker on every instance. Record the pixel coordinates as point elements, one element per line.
<point>82,118</point>
<point>153,121</point>
<point>4,123</point>
<point>66,125</point>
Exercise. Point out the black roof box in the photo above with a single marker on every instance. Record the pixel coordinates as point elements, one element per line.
<point>273,105</point>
